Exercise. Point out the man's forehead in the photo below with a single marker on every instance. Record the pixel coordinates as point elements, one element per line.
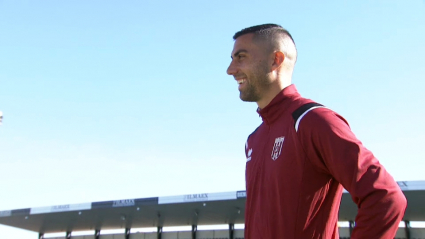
<point>243,42</point>
<point>244,39</point>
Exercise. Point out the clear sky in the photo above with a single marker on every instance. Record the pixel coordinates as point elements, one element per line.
<point>107,100</point>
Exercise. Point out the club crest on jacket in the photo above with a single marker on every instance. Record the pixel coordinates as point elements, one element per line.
<point>277,148</point>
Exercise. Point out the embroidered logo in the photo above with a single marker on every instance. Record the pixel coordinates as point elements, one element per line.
<point>277,148</point>
<point>249,155</point>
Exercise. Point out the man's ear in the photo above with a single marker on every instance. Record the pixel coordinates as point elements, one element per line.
<point>279,57</point>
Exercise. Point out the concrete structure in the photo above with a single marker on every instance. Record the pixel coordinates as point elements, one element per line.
<point>184,210</point>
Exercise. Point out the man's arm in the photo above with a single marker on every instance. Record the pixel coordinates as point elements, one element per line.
<point>334,149</point>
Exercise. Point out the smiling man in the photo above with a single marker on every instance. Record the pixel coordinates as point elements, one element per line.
<point>303,154</point>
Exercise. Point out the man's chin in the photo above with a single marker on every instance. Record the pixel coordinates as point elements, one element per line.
<point>247,98</point>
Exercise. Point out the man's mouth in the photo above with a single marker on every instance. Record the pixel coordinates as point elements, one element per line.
<point>240,81</point>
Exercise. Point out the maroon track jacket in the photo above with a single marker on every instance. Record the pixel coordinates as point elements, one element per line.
<point>297,166</point>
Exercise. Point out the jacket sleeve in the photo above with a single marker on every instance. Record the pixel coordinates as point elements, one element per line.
<point>334,149</point>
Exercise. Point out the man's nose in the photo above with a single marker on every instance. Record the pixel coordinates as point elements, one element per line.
<point>231,70</point>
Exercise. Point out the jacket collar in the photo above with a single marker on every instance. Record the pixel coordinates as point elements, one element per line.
<point>271,112</point>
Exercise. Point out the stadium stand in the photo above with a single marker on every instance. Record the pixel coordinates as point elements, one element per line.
<point>191,210</point>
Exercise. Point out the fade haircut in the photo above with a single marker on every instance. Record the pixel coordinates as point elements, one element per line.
<point>275,35</point>
<point>265,30</point>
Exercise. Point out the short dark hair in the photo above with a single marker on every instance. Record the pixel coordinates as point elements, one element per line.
<point>264,30</point>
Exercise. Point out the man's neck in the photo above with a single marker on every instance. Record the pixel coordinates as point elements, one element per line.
<point>269,96</point>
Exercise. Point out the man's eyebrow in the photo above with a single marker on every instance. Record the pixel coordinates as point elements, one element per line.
<point>238,52</point>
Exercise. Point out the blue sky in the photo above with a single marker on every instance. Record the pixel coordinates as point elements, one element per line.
<point>108,100</point>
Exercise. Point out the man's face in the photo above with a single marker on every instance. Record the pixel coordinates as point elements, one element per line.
<point>250,68</point>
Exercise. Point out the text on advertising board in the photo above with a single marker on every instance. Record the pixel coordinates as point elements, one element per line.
<point>123,203</point>
<point>60,208</point>
<point>196,197</point>
<point>241,194</point>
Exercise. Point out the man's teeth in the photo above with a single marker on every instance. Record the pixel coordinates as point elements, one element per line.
<point>241,81</point>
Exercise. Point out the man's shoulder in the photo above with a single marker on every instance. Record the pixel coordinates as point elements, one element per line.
<point>321,117</point>
<point>293,103</point>
<point>312,113</point>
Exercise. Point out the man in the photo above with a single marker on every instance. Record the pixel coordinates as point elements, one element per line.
<point>303,154</point>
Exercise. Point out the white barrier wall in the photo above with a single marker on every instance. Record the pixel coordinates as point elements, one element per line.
<point>415,233</point>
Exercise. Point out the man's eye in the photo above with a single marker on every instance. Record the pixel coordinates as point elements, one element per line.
<point>240,57</point>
